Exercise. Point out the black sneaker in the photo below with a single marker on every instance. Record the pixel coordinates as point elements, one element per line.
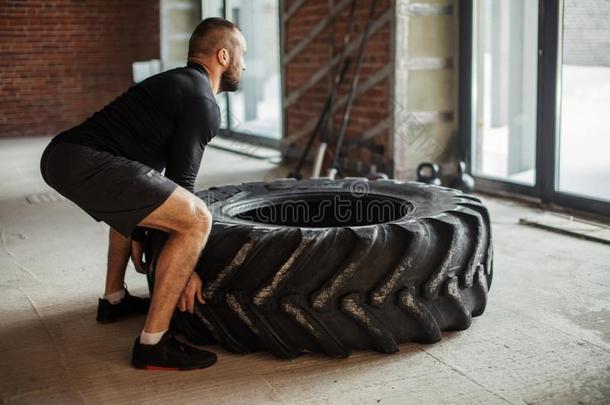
<point>170,354</point>
<point>108,313</point>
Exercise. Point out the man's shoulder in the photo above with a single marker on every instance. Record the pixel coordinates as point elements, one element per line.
<point>205,108</point>
<point>175,76</point>
<point>190,82</point>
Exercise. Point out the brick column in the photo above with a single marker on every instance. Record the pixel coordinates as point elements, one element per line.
<point>404,112</point>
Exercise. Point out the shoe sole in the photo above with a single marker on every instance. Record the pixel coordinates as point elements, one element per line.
<point>151,367</point>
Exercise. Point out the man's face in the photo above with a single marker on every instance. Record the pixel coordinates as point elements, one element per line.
<point>229,80</point>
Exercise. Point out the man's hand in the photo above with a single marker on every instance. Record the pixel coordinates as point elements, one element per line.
<point>192,289</point>
<point>137,252</point>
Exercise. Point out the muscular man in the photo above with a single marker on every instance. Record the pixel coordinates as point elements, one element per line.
<point>110,167</point>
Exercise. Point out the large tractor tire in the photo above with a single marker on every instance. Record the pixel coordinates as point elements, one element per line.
<point>329,266</point>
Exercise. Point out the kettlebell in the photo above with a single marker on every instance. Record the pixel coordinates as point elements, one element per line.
<point>429,173</point>
<point>463,180</point>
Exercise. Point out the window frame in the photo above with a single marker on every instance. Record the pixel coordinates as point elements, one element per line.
<point>545,190</point>
<point>249,137</point>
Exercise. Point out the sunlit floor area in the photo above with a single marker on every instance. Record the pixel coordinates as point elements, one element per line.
<point>544,337</point>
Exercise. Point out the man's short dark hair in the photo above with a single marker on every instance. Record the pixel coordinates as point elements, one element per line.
<point>211,35</point>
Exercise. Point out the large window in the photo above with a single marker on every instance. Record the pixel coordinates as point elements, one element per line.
<point>534,97</point>
<point>507,57</point>
<point>584,132</point>
<point>254,110</point>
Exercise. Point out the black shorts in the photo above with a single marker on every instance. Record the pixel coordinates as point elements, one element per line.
<point>110,188</point>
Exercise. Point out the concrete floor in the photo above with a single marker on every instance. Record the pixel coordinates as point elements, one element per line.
<point>545,337</point>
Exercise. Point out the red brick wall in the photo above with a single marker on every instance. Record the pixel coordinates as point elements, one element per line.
<point>62,60</point>
<point>369,109</point>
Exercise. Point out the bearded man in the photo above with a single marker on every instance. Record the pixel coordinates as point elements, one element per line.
<point>110,166</point>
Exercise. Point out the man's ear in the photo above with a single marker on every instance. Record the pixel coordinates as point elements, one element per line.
<point>223,57</point>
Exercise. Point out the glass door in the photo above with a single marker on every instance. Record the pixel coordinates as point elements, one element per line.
<point>506,39</point>
<point>534,99</point>
<point>584,131</point>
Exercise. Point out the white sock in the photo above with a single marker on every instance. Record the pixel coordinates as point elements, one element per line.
<point>151,338</point>
<point>115,297</point>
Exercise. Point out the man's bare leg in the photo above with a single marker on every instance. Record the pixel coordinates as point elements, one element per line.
<point>187,220</point>
<point>119,250</point>
<point>117,302</point>
<point>189,223</point>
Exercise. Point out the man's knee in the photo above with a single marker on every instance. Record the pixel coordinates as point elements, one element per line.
<point>201,217</point>
<point>182,213</point>
<point>192,217</point>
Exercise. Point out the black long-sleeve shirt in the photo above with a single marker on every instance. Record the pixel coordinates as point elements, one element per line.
<point>164,121</point>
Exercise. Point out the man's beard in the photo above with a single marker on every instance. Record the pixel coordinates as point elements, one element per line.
<point>229,81</point>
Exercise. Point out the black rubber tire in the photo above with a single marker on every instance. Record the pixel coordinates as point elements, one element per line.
<point>291,289</point>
